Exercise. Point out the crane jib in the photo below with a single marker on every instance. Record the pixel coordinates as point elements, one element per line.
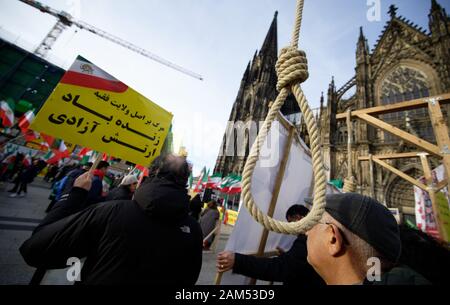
<point>67,20</point>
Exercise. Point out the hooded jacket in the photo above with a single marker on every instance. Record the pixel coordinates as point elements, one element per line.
<point>148,240</point>
<point>122,192</point>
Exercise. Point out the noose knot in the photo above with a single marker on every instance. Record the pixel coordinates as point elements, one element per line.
<point>291,67</point>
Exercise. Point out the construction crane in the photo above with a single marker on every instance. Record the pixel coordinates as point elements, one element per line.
<point>66,20</point>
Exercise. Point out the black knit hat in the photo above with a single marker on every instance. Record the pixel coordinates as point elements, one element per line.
<point>368,219</point>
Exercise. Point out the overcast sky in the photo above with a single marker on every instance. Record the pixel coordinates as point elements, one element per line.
<point>214,38</point>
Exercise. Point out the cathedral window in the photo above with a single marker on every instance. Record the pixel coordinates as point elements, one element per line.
<point>404,84</point>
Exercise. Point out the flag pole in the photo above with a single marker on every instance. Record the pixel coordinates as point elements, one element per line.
<point>141,178</point>
<point>97,160</point>
<point>275,193</point>
<point>218,278</point>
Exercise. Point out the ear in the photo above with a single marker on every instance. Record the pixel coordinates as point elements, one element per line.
<point>335,242</point>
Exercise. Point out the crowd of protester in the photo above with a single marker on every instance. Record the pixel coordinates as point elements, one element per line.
<point>154,232</point>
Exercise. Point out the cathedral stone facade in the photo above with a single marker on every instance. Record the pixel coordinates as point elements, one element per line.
<point>257,90</point>
<point>406,63</point>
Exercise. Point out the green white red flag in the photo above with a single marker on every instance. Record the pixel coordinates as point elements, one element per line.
<point>231,184</point>
<point>202,179</point>
<point>62,151</point>
<point>87,155</point>
<point>30,135</point>
<point>51,157</point>
<point>26,120</point>
<point>214,181</point>
<point>27,160</point>
<point>236,186</point>
<point>7,113</point>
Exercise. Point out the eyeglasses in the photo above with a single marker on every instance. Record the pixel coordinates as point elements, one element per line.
<point>344,238</point>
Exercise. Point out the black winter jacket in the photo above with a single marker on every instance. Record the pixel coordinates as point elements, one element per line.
<point>400,275</point>
<point>149,240</point>
<point>122,192</point>
<point>290,267</point>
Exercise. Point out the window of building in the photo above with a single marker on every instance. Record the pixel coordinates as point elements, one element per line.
<point>404,84</point>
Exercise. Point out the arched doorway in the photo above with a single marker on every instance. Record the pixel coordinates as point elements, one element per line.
<point>399,192</point>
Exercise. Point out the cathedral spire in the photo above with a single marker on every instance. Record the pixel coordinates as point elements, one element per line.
<point>270,45</point>
<point>331,89</point>
<point>361,34</point>
<point>438,20</point>
<point>362,41</point>
<point>435,6</point>
<point>247,71</point>
<point>362,47</point>
<point>321,104</point>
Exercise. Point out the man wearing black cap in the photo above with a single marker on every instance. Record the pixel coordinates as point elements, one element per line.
<point>357,241</point>
<point>290,267</point>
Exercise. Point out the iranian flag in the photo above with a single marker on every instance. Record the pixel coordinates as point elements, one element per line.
<point>105,157</point>
<point>144,174</point>
<point>87,155</point>
<point>138,170</point>
<point>236,186</point>
<point>227,182</point>
<point>26,120</point>
<point>205,179</point>
<point>83,152</point>
<point>202,179</point>
<point>7,114</point>
<point>62,150</point>
<point>45,146</point>
<point>51,157</point>
<point>30,135</point>
<point>107,182</point>
<point>214,181</point>
<point>27,160</point>
<point>85,74</point>
<point>135,172</point>
<point>47,141</point>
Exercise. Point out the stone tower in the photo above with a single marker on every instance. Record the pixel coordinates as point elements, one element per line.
<point>256,91</point>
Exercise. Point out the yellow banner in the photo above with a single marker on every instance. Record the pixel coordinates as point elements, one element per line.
<point>92,109</point>
<point>231,217</point>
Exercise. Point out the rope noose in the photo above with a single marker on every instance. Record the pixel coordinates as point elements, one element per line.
<point>292,69</point>
<point>349,185</point>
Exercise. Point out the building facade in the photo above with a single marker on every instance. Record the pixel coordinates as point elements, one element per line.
<point>256,91</point>
<point>406,63</point>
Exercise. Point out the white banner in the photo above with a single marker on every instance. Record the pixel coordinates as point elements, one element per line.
<point>246,235</point>
<point>425,219</point>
